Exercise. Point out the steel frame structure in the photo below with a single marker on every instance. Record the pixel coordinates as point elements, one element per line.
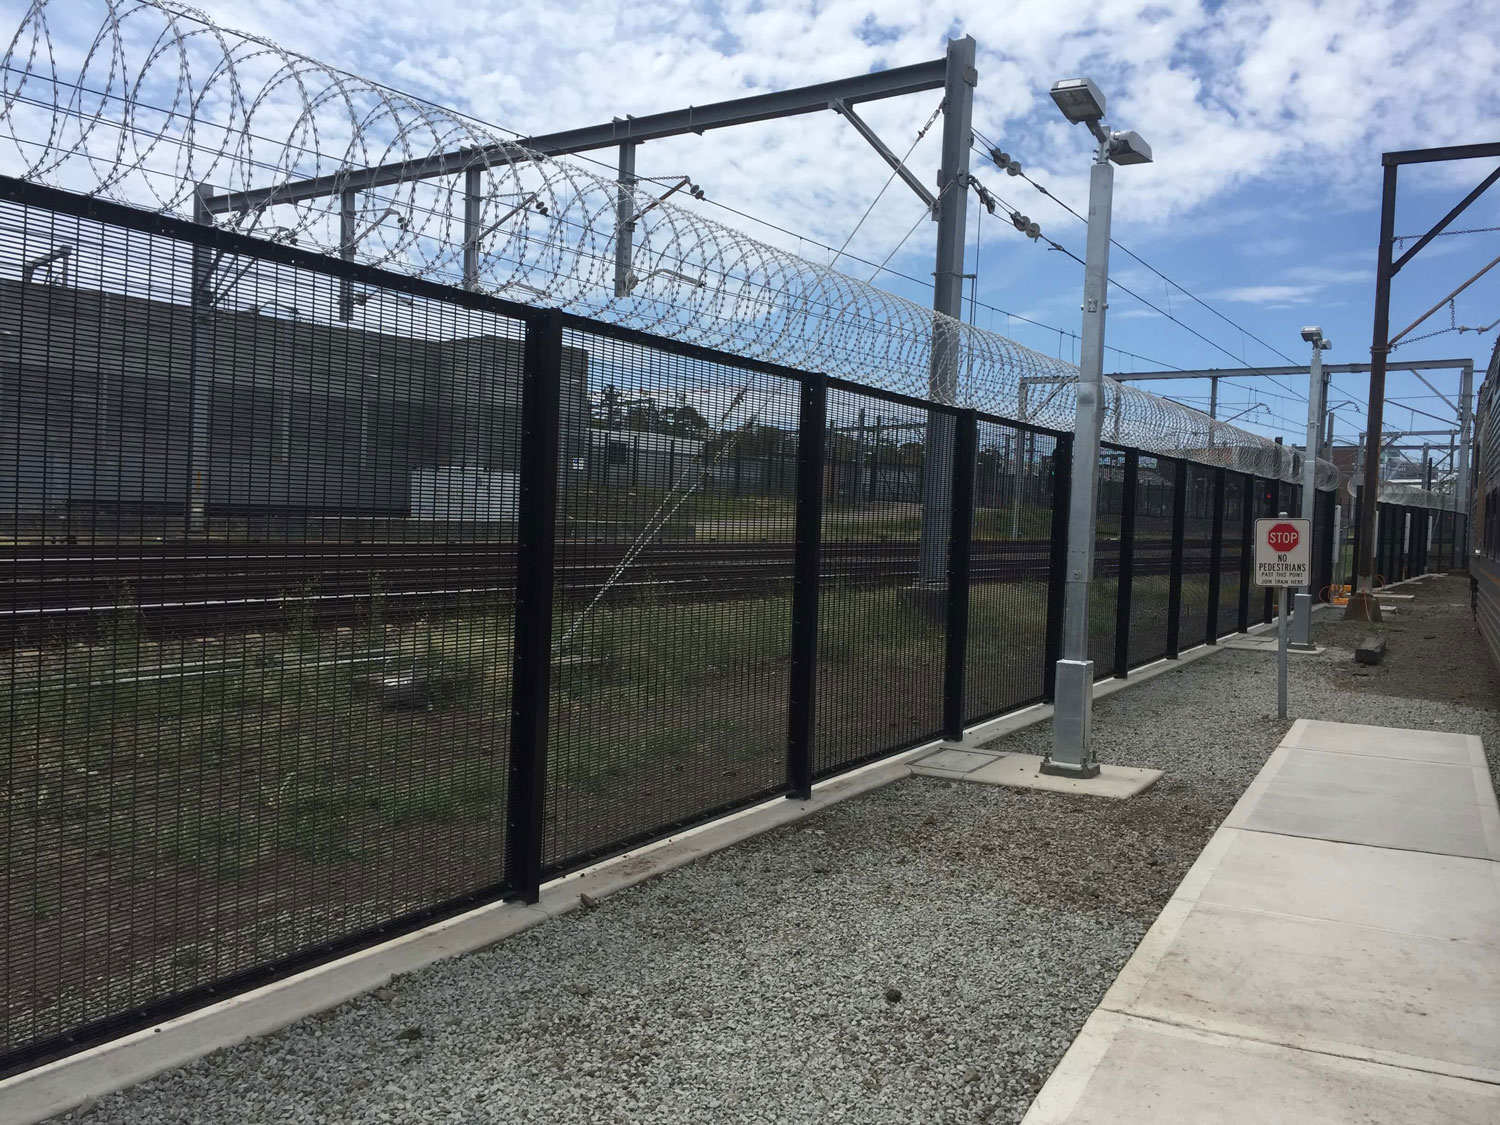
<point>954,74</point>
<point>1362,604</point>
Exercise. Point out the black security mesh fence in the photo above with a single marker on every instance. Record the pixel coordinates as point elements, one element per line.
<point>1153,548</point>
<point>1197,554</point>
<point>259,531</point>
<point>1014,487</point>
<point>882,590</point>
<point>1231,557</point>
<point>672,588</point>
<point>341,601</point>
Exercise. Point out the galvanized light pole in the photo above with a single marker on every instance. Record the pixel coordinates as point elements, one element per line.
<point>1072,748</point>
<point>1317,396</point>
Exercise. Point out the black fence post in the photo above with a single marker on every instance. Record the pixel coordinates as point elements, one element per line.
<point>1408,529</point>
<point>1383,541</point>
<point>1387,543</point>
<point>802,699</point>
<point>1057,565</point>
<point>531,672</point>
<point>1174,580</point>
<point>1127,563</point>
<point>1271,499</point>
<point>960,540</point>
<point>1247,552</point>
<point>1215,560</point>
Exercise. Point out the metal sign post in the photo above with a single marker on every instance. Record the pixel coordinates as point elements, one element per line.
<point>1283,559</point>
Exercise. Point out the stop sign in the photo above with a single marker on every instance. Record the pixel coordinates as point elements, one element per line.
<point>1282,538</point>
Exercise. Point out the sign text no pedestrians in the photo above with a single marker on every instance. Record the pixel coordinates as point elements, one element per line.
<point>1283,552</point>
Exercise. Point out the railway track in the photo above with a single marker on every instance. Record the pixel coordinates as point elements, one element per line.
<point>192,586</point>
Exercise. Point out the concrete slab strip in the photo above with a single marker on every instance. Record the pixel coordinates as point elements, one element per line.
<point>1297,977</point>
<point>1121,1064</point>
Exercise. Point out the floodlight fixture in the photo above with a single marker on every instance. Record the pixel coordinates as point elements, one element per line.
<point>1079,99</point>
<point>1129,148</point>
<point>1314,336</point>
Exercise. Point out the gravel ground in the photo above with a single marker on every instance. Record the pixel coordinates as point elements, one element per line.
<point>924,953</point>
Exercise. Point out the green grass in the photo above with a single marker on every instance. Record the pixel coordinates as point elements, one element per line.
<point>280,748</point>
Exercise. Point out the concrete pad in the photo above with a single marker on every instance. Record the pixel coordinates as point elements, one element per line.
<point>1386,742</point>
<point>1449,897</point>
<point>1396,597</point>
<point>1384,802</point>
<point>1405,1000</point>
<point>1296,976</point>
<point>1022,771</point>
<point>1261,642</point>
<point>1267,642</point>
<point>1122,1070</point>
<point>952,760</point>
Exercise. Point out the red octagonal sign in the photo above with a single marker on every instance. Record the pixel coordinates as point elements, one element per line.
<point>1283,537</point>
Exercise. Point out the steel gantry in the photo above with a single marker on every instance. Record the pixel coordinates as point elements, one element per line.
<point>954,74</point>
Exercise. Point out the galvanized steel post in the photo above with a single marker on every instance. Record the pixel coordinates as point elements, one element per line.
<point>1316,391</point>
<point>1072,750</point>
<point>947,304</point>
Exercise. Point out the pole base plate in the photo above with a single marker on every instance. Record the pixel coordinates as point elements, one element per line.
<point>1362,607</point>
<point>1059,769</point>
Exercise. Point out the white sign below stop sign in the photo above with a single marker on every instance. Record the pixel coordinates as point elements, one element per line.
<point>1283,552</point>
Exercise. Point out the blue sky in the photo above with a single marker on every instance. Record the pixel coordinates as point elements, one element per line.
<point>1267,120</point>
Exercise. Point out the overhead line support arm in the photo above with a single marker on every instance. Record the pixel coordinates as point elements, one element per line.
<point>844,110</point>
<point>654,126</point>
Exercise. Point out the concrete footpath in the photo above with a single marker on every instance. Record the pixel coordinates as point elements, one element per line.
<point>1333,956</point>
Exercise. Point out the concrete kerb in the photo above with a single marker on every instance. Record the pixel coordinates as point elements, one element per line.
<point>81,1079</point>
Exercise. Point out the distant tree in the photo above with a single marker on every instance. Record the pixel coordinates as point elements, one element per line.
<point>644,415</point>
<point>684,421</point>
<point>608,411</point>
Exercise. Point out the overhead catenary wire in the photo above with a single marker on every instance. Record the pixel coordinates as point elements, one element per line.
<point>1164,277</point>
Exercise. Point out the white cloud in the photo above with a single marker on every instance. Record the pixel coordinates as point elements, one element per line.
<point>1264,92</point>
<point>1298,287</point>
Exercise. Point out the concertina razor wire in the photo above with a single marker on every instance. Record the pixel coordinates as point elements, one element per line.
<point>159,102</point>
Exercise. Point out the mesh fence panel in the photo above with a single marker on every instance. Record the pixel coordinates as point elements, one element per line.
<point>880,628</point>
<point>259,635</point>
<point>1231,558</point>
<point>1197,554</point>
<point>1105,589</point>
<point>672,595</point>
<point>1155,485</point>
<point>1009,568</point>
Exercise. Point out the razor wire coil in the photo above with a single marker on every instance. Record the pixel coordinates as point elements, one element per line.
<point>160,104</point>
